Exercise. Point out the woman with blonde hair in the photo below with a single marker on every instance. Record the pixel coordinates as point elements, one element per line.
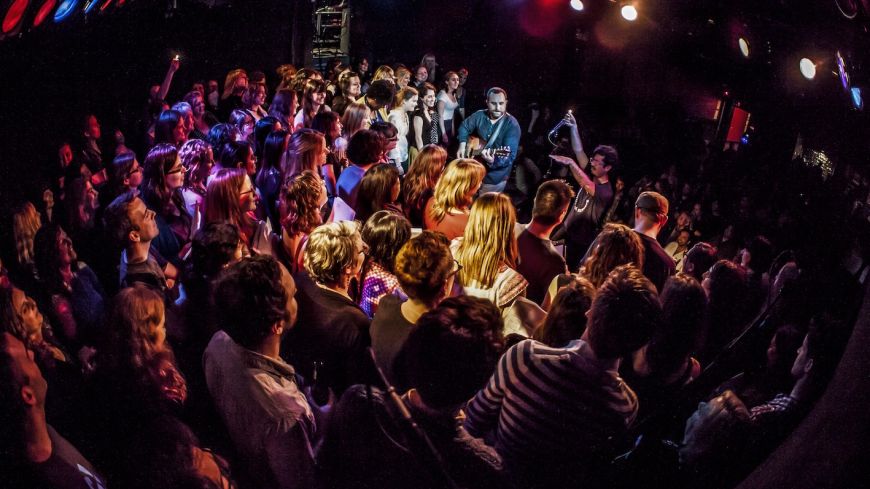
<point>447,211</point>
<point>25,223</point>
<point>488,252</point>
<point>231,198</point>
<point>384,72</point>
<point>420,181</point>
<point>235,86</point>
<point>403,77</point>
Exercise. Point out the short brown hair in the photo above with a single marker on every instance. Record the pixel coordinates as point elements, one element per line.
<point>623,314</point>
<point>422,266</point>
<point>552,199</point>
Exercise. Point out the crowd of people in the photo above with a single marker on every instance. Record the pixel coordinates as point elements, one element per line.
<point>266,285</point>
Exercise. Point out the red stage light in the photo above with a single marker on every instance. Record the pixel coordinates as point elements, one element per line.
<point>14,15</point>
<point>106,5</point>
<point>44,11</point>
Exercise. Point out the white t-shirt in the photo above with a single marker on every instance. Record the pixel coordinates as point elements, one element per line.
<point>449,105</point>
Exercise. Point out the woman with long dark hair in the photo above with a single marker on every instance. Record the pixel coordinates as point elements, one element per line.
<point>161,192</point>
<point>268,180</point>
<point>384,233</point>
<point>313,102</point>
<point>425,124</point>
<point>284,107</point>
<point>447,105</point>
<point>379,191</point>
<point>72,294</point>
<point>170,128</point>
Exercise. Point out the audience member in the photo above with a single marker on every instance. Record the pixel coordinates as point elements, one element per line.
<point>363,151</point>
<point>333,332</point>
<point>270,421</point>
<point>550,436</point>
<point>384,232</point>
<point>449,356</point>
<point>650,215</point>
<point>447,211</point>
<point>539,262</point>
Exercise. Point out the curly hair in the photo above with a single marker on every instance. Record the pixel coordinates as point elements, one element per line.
<point>250,298</point>
<point>131,354</point>
<point>616,245</point>
<point>331,249</point>
<point>423,266</point>
<point>455,188</point>
<point>194,154</point>
<point>300,198</point>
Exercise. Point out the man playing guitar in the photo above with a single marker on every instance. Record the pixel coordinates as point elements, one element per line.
<point>499,135</point>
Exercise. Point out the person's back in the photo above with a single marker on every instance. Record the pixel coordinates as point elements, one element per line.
<point>574,413</point>
<point>650,216</point>
<point>539,263</point>
<point>559,415</point>
<point>364,150</point>
<point>447,357</point>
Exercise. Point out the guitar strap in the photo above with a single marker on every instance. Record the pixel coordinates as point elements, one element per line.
<point>494,135</point>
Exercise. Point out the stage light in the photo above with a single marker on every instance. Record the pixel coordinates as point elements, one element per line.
<point>841,70</point>
<point>857,98</point>
<point>89,5</point>
<point>743,44</point>
<point>629,13</point>
<point>44,11</point>
<point>577,5</point>
<point>65,9</point>
<point>14,15</point>
<point>808,68</point>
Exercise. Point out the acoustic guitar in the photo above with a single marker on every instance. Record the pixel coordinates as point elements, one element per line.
<point>475,146</point>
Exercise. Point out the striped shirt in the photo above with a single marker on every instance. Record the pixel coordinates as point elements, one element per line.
<point>550,404</point>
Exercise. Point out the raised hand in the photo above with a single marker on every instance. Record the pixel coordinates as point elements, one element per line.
<point>562,160</point>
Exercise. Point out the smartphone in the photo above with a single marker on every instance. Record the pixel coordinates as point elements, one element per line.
<point>177,57</point>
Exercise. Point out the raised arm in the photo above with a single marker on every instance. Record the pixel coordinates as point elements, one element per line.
<point>167,80</point>
<point>579,175</point>
<point>576,144</point>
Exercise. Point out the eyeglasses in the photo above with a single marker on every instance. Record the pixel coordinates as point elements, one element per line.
<point>177,169</point>
<point>456,270</point>
<point>246,192</point>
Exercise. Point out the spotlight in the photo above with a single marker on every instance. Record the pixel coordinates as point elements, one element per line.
<point>89,5</point>
<point>808,68</point>
<point>65,9</point>
<point>44,11</point>
<point>743,44</point>
<point>629,13</point>
<point>577,5</point>
<point>14,15</point>
<point>841,70</point>
<point>857,98</point>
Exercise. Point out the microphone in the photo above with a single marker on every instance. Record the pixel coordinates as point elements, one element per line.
<point>558,126</point>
